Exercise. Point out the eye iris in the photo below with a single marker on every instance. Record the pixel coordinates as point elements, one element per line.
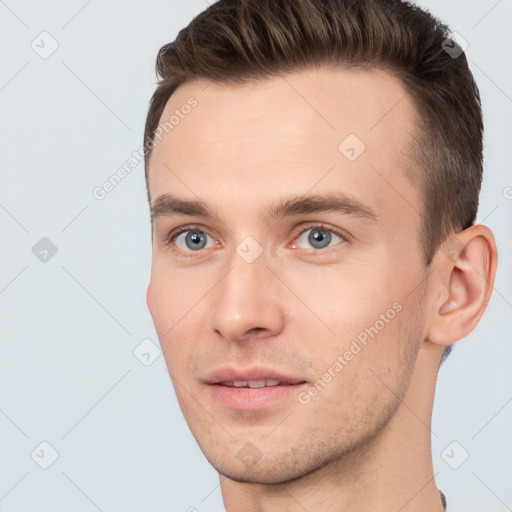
<point>195,240</point>
<point>319,238</point>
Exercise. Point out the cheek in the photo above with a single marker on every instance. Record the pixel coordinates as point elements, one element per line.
<point>360,320</point>
<point>343,302</point>
<point>371,368</point>
<point>157,299</point>
<point>174,301</point>
<point>171,294</point>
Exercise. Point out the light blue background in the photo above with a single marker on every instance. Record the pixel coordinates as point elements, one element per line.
<point>68,327</point>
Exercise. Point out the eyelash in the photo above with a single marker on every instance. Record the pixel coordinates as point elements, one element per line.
<point>321,227</point>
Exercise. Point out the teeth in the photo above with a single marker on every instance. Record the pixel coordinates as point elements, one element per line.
<point>256,383</point>
<point>251,383</point>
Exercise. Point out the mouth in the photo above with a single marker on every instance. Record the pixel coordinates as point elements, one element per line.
<point>253,389</point>
<point>254,384</point>
<point>254,377</point>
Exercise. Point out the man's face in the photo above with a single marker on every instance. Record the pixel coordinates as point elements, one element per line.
<point>277,286</point>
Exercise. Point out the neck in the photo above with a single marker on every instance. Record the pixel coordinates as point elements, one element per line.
<point>391,471</point>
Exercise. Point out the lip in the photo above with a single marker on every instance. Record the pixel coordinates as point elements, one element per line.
<point>252,399</point>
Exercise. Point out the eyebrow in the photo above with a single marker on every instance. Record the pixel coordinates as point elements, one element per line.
<point>168,205</point>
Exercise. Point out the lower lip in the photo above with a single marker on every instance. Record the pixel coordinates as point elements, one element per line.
<point>253,399</point>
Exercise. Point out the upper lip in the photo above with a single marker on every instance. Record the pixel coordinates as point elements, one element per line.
<point>253,373</point>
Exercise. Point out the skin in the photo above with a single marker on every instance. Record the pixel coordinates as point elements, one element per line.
<point>363,442</point>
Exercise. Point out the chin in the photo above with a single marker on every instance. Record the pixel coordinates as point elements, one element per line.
<point>278,469</point>
<point>263,476</point>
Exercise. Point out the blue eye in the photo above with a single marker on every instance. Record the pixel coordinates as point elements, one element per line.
<point>319,238</point>
<point>191,240</point>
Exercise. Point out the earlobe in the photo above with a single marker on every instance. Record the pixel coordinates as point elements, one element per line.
<point>466,272</point>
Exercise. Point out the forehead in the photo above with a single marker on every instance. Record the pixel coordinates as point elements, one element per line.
<point>317,130</point>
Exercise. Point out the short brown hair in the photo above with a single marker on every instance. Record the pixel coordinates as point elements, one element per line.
<point>242,40</point>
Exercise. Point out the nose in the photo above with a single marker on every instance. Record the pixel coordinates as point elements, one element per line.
<point>247,302</point>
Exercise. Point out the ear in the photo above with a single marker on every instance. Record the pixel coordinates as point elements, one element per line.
<point>464,279</point>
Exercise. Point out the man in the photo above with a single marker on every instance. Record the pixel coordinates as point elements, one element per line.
<point>313,171</point>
